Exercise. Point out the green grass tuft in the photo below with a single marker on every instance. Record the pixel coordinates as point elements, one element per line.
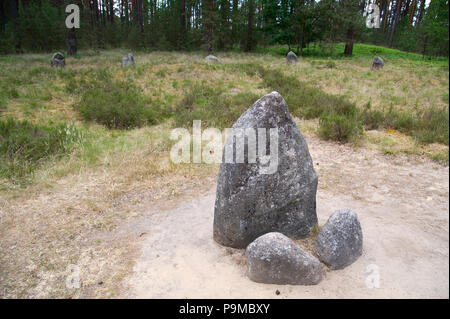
<point>25,146</point>
<point>113,103</point>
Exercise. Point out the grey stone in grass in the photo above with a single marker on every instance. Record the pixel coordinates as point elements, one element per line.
<point>291,58</point>
<point>128,60</point>
<point>273,258</point>
<point>58,60</point>
<point>212,59</point>
<point>249,202</point>
<point>340,240</point>
<point>377,63</point>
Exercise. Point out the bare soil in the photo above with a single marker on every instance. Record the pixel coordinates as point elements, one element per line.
<point>403,206</point>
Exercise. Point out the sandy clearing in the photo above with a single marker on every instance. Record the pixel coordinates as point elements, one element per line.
<point>404,212</point>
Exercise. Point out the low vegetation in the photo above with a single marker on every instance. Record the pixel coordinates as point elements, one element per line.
<point>24,146</point>
<point>118,104</point>
<point>180,88</point>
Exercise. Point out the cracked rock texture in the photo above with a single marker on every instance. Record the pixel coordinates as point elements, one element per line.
<point>275,259</point>
<point>339,243</point>
<point>250,203</point>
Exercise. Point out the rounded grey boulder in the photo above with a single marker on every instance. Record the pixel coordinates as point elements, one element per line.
<point>275,259</point>
<point>58,60</point>
<point>212,59</point>
<point>128,60</point>
<point>340,241</point>
<point>291,58</point>
<point>377,63</point>
<point>251,201</point>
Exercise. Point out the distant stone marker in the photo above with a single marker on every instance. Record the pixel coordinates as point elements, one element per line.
<point>377,63</point>
<point>58,61</point>
<point>340,241</point>
<point>249,203</point>
<point>275,259</point>
<point>212,59</point>
<point>291,58</point>
<point>128,60</point>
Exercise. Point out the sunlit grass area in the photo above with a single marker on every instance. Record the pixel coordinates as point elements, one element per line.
<point>410,95</point>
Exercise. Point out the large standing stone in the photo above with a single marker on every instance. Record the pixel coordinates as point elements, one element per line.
<point>291,58</point>
<point>250,203</point>
<point>377,63</point>
<point>58,61</point>
<point>275,259</point>
<point>128,60</point>
<point>212,59</point>
<point>339,243</point>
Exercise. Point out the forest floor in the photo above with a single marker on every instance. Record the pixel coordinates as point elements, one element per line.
<point>120,211</point>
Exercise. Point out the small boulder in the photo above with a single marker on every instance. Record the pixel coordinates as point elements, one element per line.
<point>377,63</point>
<point>275,259</point>
<point>340,241</point>
<point>212,59</point>
<point>291,58</point>
<point>128,60</point>
<point>58,61</point>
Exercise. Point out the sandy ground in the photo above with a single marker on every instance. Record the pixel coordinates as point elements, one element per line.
<point>402,204</point>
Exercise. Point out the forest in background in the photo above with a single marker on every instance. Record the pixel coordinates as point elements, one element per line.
<point>39,25</point>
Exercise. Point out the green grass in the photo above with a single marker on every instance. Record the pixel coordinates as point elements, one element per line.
<point>339,118</point>
<point>116,104</point>
<point>339,127</point>
<point>156,90</point>
<point>429,126</point>
<point>213,105</point>
<point>25,146</point>
<point>359,50</point>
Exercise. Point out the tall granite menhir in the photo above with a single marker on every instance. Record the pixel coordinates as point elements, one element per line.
<point>249,203</point>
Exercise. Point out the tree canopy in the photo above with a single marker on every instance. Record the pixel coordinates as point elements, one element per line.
<point>39,25</point>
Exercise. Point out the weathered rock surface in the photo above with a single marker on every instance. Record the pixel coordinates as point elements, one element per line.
<point>275,259</point>
<point>377,63</point>
<point>291,58</point>
<point>128,60</point>
<point>58,61</point>
<point>249,202</point>
<point>340,241</point>
<point>212,59</point>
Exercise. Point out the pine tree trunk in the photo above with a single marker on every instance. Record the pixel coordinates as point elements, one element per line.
<point>111,11</point>
<point>234,26</point>
<point>71,41</point>
<point>182,24</point>
<point>251,18</point>
<point>348,51</point>
<point>127,18</point>
<point>421,11</point>
<point>395,22</point>
<point>2,16</point>
<point>208,25</point>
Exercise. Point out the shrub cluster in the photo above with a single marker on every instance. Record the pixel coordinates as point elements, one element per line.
<point>24,146</point>
<point>116,104</point>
